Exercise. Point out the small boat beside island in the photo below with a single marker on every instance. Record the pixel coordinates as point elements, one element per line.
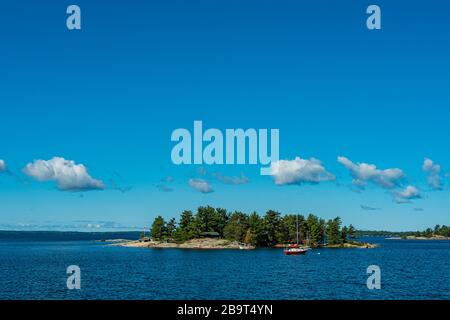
<point>295,249</point>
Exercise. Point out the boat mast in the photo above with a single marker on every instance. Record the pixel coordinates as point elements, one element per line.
<point>297,228</point>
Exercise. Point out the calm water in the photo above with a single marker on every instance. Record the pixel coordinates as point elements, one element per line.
<point>36,270</point>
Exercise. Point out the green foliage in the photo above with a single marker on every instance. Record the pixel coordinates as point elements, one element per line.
<point>344,235</point>
<point>438,230</point>
<point>187,227</point>
<point>288,232</point>
<point>248,239</point>
<point>428,233</point>
<point>272,228</point>
<point>205,219</point>
<point>351,232</point>
<point>170,229</point>
<point>256,227</point>
<point>158,229</point>
<point>219,220</point>
<point>253,229</point>
<point>236,227</point>
<point>443,231</point>
<point>333,231</point>
<point>315,229</point>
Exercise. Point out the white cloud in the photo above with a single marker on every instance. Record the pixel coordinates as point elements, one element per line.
<point>299,171</point>
<point>164,188</point>
<point>433,170</point>
<point>410,192</point>
<point>231,179</point>
<point>68,175</point>
<point>364,172</point>
<point>168,179</point>
<point>369,208</point>
<point>2,165</point>
<point>200,185</point>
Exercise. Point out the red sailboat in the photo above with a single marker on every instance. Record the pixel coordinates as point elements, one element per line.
<point>295,249</point>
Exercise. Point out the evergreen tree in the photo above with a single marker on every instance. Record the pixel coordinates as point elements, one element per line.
<point>236,227</point>
<point>351,232</point>
<point>219,220</point>
<point>248,239</point>
<point>288,232</point>
<point>315,229</point>
<point>256,227</point>
<point>437,229</point>
<point>205,219</point>
<point>158,229</point>
<point>260,231</point>
<point>187,228</point>
<point>271,227</point>
<point>171,227</point>
<point>333,230</point>
<point>344,234</point>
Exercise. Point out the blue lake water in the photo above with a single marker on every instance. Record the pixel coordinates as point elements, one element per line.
<point>37,270</point>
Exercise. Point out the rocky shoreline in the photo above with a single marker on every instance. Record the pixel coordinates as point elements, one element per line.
<point>191,244</point>
<point>359,245</point>
<point>206,243</point>
<point>427,238</point>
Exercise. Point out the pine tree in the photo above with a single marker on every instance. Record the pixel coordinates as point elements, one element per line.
<point>205,219</point>
<point>255,224</point>
<point>248,239</point>
<point>351,232</point>
<point>171,227</point>
<point>158,228</point>
<point>219,220</point>
<point>237,226</point>
<point>344,234</point>
<point>271,227</point>
<point>315,229</point>
<point>333,230</point>
<point>187,228</point>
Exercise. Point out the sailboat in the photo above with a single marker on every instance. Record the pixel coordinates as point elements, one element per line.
<point>295,249</point>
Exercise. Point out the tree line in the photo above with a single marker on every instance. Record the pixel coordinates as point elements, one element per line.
<point>438,230</point>
<point>251,229</point>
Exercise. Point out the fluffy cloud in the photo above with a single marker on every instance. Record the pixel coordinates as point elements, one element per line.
<point>164,188</point>
<point>299,171</point>
<point>433,170</point>
<point>369,208</point>
<point>407,194</point>
<point>168,179</point>
<point>68,175</point>
<point>2,165</point>
<point>200,185</point>
<point>232,179</point>
<point>364,172</point>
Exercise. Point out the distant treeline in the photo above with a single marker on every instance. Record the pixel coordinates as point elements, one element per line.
<point>65,235</point>
<point>266,231</point>
<point>428,233</point>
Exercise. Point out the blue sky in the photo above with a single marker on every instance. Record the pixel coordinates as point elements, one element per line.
<point>108,97</point>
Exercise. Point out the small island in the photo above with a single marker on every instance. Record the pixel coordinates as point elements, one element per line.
<point>199,243</point>
<point>216,228</point>
<point>439,232</point>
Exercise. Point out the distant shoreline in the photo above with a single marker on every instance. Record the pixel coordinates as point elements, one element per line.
<point>435,238</point>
